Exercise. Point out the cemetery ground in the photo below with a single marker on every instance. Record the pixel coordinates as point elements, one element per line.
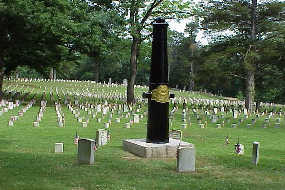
<point>28,161</point>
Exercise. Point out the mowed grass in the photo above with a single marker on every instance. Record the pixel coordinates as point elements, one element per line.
<point>28,161</point>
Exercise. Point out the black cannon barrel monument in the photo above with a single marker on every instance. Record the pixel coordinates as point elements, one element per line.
<point>158,95</point>
<point>157,143</point>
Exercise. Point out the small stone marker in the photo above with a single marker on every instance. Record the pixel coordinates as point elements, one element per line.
<point>255,152</point>
<point>128,125</point>
<point>125,82</point>
<point>101,137</point>
<point>186,159</point>
<point>175,134</point>
<point>107,125</point>
<point>86,149</point>
<point>235,114</point>
<point>11,123</point>
<point>36,124</point>
<point>277,125</point>
<point>214,119</point>
<point>136,118</point>
<point>58,147</point>
<point>60,124</point>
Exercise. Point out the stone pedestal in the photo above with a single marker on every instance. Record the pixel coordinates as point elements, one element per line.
<point>143,149</point>
<point>186,159</point>
<point>86,151</point>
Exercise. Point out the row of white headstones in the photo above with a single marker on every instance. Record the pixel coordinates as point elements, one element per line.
<point>105,110</point>
<point>215,114</point>
<point>92,91</point>
<point>93,110</point>
<point>8,106</point>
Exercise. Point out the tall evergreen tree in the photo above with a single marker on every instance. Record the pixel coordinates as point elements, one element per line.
<point>251,24</point>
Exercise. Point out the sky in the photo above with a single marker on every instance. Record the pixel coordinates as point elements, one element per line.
<point>180,27</point>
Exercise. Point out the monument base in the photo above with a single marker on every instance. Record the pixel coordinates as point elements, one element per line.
<point>143,149</point>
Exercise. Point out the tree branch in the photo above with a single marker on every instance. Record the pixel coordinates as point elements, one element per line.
<point>234,75</point>
<point>172,12</point>
<point>154,4</point>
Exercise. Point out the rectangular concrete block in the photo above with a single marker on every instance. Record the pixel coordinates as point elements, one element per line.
<point>86,150</point>
<point>143,149</point>
<point>58,147</point>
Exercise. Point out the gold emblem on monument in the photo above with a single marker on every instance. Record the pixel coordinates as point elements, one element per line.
<point>160,94</point>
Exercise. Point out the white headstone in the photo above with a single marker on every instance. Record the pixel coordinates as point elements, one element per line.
<point>101,137</point>
<point>136,118</point>
<point>36,124</point>
<point>186,159</point>
<point>11,123</point>
<point>125,82</point>
<point>128,125</point>
<point>107,125</point>
<point>58,147</point>
<point>255,152</point>
<point>235,114</point>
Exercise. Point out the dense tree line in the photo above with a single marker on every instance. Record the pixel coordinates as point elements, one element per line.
<point>97,40</point>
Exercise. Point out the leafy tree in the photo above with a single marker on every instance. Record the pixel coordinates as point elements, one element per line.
<point>92,32</point>
<point>252,25</point>
<point>138,15</point>
<point>31,34</point>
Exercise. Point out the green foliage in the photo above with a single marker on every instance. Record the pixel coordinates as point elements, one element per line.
<point>240,95</point>
<point>31,33</point>
<point>233,55</point>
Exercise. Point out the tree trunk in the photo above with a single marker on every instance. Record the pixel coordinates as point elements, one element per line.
<point>250,91</point>
<point>250,86</point>
<point>51,74</point>
<point>54,74</point>
<point>1,78</point>
<point>192,82</point>
<point>96,69</point>
<point>133,71</point>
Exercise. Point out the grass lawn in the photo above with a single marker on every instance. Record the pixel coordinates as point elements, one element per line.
<point>28,161</point>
